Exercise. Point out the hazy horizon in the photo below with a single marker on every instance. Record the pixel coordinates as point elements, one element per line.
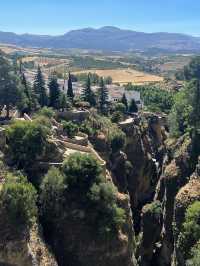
<point>96,28</point>
<point>48,17</point>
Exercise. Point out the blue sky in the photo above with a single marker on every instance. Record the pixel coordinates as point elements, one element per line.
<point>59,16</point>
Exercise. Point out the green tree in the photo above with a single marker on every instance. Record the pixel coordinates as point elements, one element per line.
<point>117,140</point>
<point>117,117</point>
<point>27,141</point>
<point>40,89</point>
<point>133,107</point>
<point>70,93</point>
<point>192,71</point>
<point>54,92</point>
<point>103,96</point>
<point>70,128</point>
<point>19,203</point>
<point>64,102</point>
<point>124,101</point>
<point>120,107</point>
<point>190,232</point>
<point>81,172</point>
<point>52,197</point>
<point>87,94</point>
<point>81,183</point>
<point>9,85</point>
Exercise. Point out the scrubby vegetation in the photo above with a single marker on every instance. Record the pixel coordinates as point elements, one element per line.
<point>81,182</point>
<point>70,128</point>
<point>18,202</point>
<point>155,99</point>
<point>26,142</point>
<point>190,234</point>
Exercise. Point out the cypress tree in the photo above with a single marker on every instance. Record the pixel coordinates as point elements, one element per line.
<point>39,88</point>
<point>70,93</point>
<point>103,96</point>
<point>124,101</point>
<point>87,94</point>
<point>27,94</point>
<point>133,107</point>
<point>26,87</point>
<point>54,92</point>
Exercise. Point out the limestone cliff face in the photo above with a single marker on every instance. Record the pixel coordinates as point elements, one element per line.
<point>137,170</point>
<point>24,249</point>
<point>174,176</point>
<point>186,196</point>
<point>76,244</point>
<point>151,225</point>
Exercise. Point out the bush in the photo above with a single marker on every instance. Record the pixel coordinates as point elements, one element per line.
<point>70,128</point>
<point>117,117</point>
<point>26,142</point>
<point>120,107</point>
<point>80,185</point>
<point>190,233</point>
<point>108,216</point>
<point>117,141</point>
<point>194,256</point>
<point>47,112</point>
<point>81,172</point>
<point>18,200</point>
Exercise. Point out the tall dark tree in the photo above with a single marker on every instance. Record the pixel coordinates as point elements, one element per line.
<point>26,86</point>
<point>124,101</point>
<point>103,96</point>
<point>9,85</point>
<point>87,94</point>
<point>40,89</point>
<point>70,93</point>
<point>133,107</point>
<point>54,92</point>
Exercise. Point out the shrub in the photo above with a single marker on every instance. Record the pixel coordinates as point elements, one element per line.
<point>80,185</point>
<point>26,141</point>
<point>18,200</point>
<point>117,141</point>
<point>70,128</point>
<point>117,117</point>
<point>108,216</point>
<point>47,112</point>
<point>120,107</point>
<point>194,256</point>
<point>81,172</point>
<point>190,233</point>
<point>44,121</point>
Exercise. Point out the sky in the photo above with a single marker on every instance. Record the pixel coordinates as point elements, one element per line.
<point>55,17</point>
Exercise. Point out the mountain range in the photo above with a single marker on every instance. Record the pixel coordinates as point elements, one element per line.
<point>107,39</point>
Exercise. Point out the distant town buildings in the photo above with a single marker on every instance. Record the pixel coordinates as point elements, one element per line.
<point>115,92</point>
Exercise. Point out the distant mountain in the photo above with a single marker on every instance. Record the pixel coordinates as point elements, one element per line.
<point>107,39</point>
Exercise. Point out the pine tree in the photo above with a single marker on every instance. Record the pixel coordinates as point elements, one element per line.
<point>39,88</point>
<point>87,94</point>
<point>70,93</point>
<point>103,96</point>
<point>54,92</point>
<point>124,101</point>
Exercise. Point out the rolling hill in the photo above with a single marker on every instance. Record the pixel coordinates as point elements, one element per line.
<point>108,39</point>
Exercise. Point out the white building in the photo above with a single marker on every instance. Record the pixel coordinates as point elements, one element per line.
<point>115,94</point>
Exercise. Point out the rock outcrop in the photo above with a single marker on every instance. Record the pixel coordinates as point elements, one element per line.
<point>75,243</point>
<point>24,249</point>
<point>185,197</point>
